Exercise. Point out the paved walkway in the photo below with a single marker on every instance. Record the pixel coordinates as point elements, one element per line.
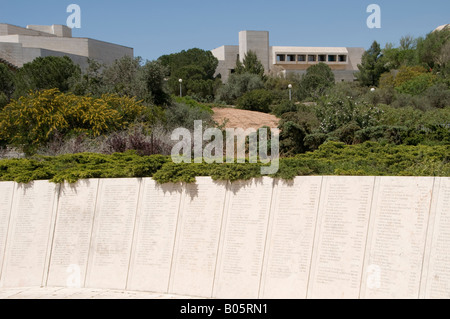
<point>85,293</point>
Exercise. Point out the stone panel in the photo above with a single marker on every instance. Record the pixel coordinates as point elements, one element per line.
<point>29,235</point>
<point>243,241</point>
<point>6,197</point>
<point>154,237</point>
<point>436,274</point>
<point>397,237</point>
<point>110,252</point>
<point>197,238</point>
<point>341,235</point>
<point>291,238</point>
<point>73,232</point>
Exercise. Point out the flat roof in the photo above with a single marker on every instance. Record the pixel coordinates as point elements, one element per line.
<point>318,50</point>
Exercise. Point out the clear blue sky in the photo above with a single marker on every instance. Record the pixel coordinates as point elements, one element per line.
<point>158,27</point>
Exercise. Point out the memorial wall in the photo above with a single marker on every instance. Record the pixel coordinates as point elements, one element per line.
<point>313,237</point>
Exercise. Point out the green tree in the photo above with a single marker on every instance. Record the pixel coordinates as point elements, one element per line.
<point>46,73</point>
<point>6,85</point>
<point>250,64</point>
<point>438,95</point>
<point>256,100</point>
<point>372,66</point>
<point>91,81</point>
<point>122,77</point>
<point>196,67</point>
<point>432,48</point>
<point>295,128</point>
<point>152,76</point>
<point>205,60</point>
<point>404,55</point>
<point>129,77</point>
<point>317,80</point>
<point>238,85</point>
<point>444,61</point>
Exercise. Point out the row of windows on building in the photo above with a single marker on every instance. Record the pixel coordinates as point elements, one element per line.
<point>311,58</point>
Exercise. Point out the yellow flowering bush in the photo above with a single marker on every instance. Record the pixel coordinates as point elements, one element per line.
<point>32,120</point>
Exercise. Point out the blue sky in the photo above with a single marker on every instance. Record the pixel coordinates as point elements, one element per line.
<point>156,27</point>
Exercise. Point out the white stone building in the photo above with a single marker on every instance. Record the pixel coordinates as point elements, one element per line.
<point>22,45</point>
<point>283,60</point>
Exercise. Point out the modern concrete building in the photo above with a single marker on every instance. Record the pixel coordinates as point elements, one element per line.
<point>22,45</point>
<point>284,60</point>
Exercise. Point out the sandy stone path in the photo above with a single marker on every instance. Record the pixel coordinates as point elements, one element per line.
<point>244,119</point>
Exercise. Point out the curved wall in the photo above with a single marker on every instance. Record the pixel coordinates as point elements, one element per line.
<point>313,237</point>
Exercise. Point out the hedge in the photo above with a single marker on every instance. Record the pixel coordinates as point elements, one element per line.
<point>333,158</point>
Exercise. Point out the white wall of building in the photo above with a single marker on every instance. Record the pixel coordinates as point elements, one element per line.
<point>22,45</point>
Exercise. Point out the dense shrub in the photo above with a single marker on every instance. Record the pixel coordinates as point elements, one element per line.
<point>438,95</point>
<point>285,106</point>
<point>335,112</point>
<point>418,84</point>
<point>317,80</point>
<point>46,73</point>
<point>135,139</point>
<point>192,103</point>
<point>180,115</point>
<point>33,120</point>
<point>6,85</point>
<point>197,69</point>
<point>256,100</point>
<point>386,95</point>
<point>295,128</point>
<point>4,100</point>
<point>73,167</point>
<point>238,85</point>
<point>344,119</point>
<point>368,159</point>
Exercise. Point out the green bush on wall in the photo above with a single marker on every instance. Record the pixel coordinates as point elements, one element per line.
<point>332,158</point>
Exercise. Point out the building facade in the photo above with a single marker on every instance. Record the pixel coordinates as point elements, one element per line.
<point>284,60</point>
<point>22,45</point>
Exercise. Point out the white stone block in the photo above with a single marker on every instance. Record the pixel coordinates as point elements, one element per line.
<point>341,234</point>
<point>114,223</point>
<point>29,235</point>
<point>6,198</point>
<point>290,239</point>
<point>73,233</point>
<point>197,239</point>
<point>154,237</point>
<point>243,240</point>
<point>436,273</point>
<point>397,237</point>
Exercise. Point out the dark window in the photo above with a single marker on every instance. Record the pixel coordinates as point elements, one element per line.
<point>332,58</point>
<point>281,58</point>
<point>301,58</point>
<point>322,58</point>
<point>291,58</point>
<point>342,58</point>
<point>312,58</point>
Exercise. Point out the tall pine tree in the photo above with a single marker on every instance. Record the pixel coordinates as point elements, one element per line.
<point>250,64</point>
<point>372,66</point>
